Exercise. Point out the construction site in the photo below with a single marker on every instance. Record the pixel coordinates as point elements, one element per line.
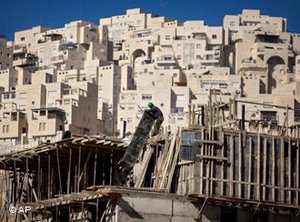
<point>219,168</point>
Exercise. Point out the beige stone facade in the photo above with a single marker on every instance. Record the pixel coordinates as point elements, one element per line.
<point>93,79</point>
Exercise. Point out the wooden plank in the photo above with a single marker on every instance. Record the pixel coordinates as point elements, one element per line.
<point>264,173</point>
<point>103,169</point>
<point>231,165</point>
<point>273,168</point>
<point>175,159</point>
<point>39,177</point>
<point>201,164</point>
<point>95,173</point>
<point>59,173</point>
<point>75,179</point>
<point>297,172</point>
<point>69,172</point>
<point>84,166</point>
<point>240,166</point>
<point>215,158</point>
<point>97,210</point>
<point>222,164</point>
<point>161,162</point>
<point>250,168</point>
<point>143,166</point>
<point>52,175</point>
<point>258,194</point>
<point>33,190</point>
<point>282,199</point>
<point>290,174</point>
<point>78,169</point>
<point>167,164</point>
<point>49,176</point>
<point>111,166</point>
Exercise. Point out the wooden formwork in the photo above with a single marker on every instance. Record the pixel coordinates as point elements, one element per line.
<point>239,165</point>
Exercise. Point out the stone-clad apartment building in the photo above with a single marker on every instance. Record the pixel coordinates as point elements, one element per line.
<point>93,79</point>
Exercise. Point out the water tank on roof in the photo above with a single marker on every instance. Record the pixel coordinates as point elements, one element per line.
<point>67,46</point>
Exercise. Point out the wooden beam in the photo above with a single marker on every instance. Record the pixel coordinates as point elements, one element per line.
<point>39,177</point>
<point>250,167</point>
<point>273,168</point>
<point>84,166</point>
<point>297,172</point>
<point>240,165</point>
<point>290,173</point>
<point>69,172</point>
<point>78,169</point>
<point>264,173</point>
<point>222,164</point>
<point>59,173</point>
<point>258,194</point>
<point>175,159</point>
<point>231,144</point>
<point>111,166</point>
<point>95,175</point>
<point>282,169</point>
<point>49,176</point>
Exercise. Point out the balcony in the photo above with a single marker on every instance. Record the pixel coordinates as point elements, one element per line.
<point>19,50</point>
<point>28,60</point>
<point>251,65</point>
<point>166,60</point>
<point>262,47</point>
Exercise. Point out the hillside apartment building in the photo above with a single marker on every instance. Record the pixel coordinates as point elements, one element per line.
<point>97,79</point>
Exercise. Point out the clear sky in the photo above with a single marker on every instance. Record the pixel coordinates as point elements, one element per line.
<point>19,15</point>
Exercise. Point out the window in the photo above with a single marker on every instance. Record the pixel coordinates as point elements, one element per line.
<point>198,46</point>
<point>209,57</point>
<point>214,36</point>
<point>42,126</point>
<point>22,38</point>
<point>5,96</point>
<point>22,95</point>
<point>167,58</point>
<point>178,57</point>
<point>13,95</point>
<point>3,129</point>
<point>167,37</point>
<point>7,128</point>
<point>146,96</point>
